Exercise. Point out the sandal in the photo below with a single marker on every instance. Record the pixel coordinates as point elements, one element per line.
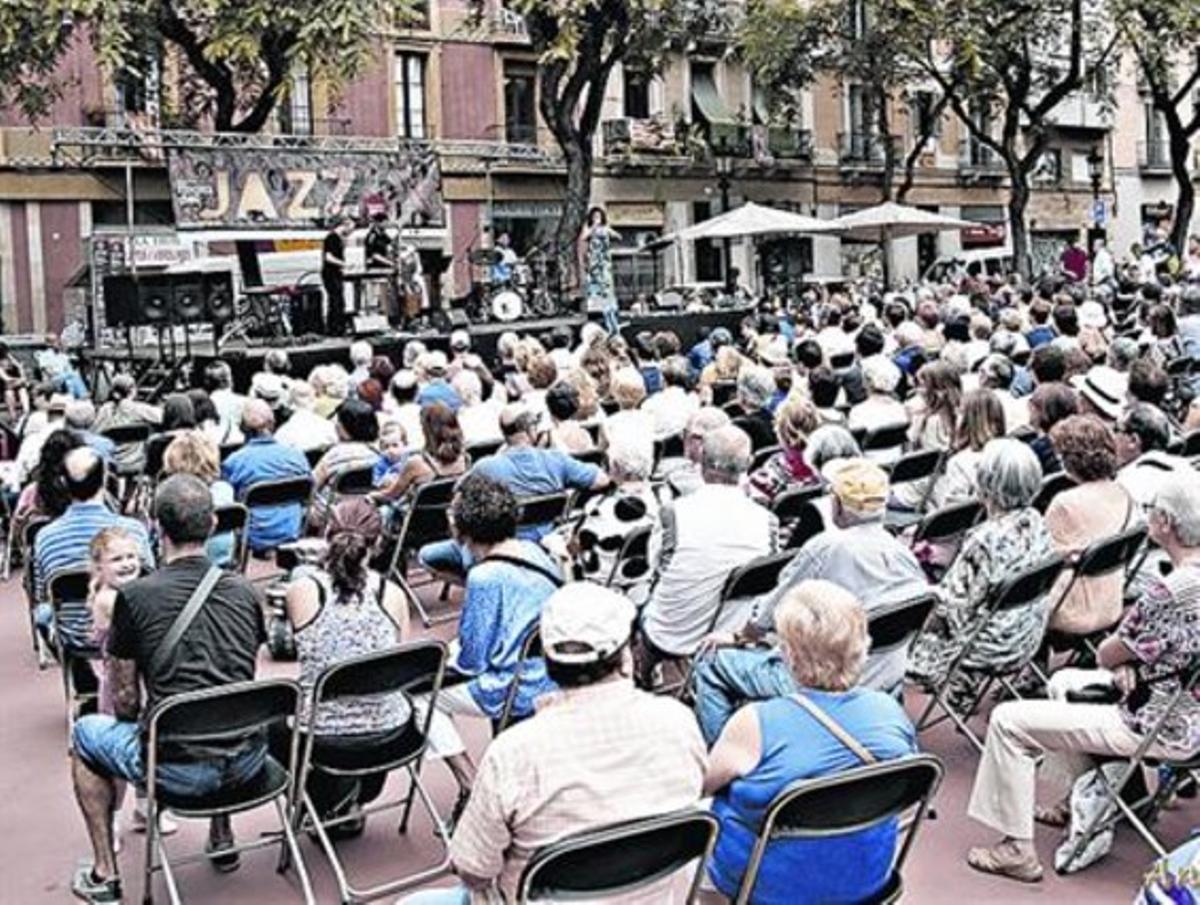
<point>1003,861</point>
<point>1057,816</point>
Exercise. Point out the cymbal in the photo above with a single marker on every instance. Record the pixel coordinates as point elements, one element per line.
<point>484,257</point>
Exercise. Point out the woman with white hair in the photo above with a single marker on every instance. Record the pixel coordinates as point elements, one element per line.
<point>881,408</point>
<point>755,393</point>
<point>479,420</point>
<point>629,392</point>
<point>1012,537</point>
<point>830,725</point>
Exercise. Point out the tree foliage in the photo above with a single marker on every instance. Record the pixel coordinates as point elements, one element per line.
<point>236,56</point>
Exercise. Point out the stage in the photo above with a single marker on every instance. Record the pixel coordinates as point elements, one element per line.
<point>246,359</point>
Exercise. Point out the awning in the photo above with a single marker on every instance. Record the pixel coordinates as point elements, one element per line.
<point>708,99</point>
<point>762,110</point>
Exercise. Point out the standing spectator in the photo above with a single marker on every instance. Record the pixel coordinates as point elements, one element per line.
<point>264,458</point>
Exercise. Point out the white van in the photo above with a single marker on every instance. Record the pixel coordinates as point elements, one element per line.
<point>976,262</point>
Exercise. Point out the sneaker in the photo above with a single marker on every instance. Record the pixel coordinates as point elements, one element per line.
<point>223,859</point>
<point>87,887</point>
<point>166,826</point>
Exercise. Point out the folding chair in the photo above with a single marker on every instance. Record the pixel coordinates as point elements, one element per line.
<point>225,714</point>
<point>633,560</point>
<point>619,859</point>
<point>763,456</point>
<point>597,457</point>
<point>409,669</point>
<point>849,802</point>
<point>669,447</point>
<point>885,439</point>
<point>354,482</point>
<point>949,525</point>
<point>156,447</point>
<point>278,493</point>
<point>67,593</point>
<point>723,392</point>
<point>1150,805</point>
<point>425,521</point>
<point>127,434</point>
<point>899,623</point>
<point>1018,590</point>
<point>547,508</point>
<point>1191,444</point>
<point>1051,487</point>
<point>28,536</point>
<point>312,455</point>
<point>923,465</point>
<point>531,647</point>
<point>789,504</point>
<point>477,451</point>
<point>234,519</point>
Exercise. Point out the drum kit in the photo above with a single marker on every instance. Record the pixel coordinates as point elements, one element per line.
<point>506,291</point>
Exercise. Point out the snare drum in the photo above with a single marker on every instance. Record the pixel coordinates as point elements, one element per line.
<point>507,305</point>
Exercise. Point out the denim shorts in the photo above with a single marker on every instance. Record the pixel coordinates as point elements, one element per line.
<point>113,748</point>
<point>447,556</point>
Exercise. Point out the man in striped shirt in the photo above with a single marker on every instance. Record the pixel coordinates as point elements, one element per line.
<point>63,544</point>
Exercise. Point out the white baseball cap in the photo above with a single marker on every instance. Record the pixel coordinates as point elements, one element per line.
<point>594,620</point>
<point>460,340</point>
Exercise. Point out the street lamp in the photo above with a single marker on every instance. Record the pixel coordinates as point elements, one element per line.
<point>1095,166</point>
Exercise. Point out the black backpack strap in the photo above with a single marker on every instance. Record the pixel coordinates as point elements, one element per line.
<point>184,620</point>
<point>525,564</point>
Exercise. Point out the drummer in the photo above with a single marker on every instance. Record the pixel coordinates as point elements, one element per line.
<point>504,267</point>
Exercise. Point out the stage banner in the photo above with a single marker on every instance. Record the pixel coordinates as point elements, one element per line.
<point>294,187</point>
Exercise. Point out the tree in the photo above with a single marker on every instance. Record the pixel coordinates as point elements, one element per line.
<point>579,42</point>
<point>1164,38</point>
<point>1014,63</point>
<point>238,54</point>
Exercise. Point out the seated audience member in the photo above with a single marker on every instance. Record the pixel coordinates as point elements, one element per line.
<point>63,544</point>
<point>1154,645</point>
<point>706,535</point>
<point>208,421</point>
<point>338,615</point>
<point>507,584</point>
<point>682,473</point>
<point>767,746</point>
<point>480,420</point>
<point>431,374</point>
<point>305,430</point>
<point>331,383</point>
<point>566,433</point>
<point>934,412</point>
<point>193,453</point>
<point>629,392</point>
<point>674,405</point>
<point>357,431</point>
<point>37,419</point>
<point>440,456</point>
<point>361,355</point>
<point>264,458</point>
<point>823,389</point>
<point>221,648</point>
<point>1013,537</point>
<point>601,752</point>
<point>1103,392</point>
<point>30,450</point>
<point>80,416</point>
<point>177,413</point>
<point>755,390</point>
<point>1142,436</point>
<point>795,419</point>
<point>1147,383</point>
<point>980,421</point>
<point>862,557</point>
<point>218,380</point>
<point>881,408</point>
<point>46,496</point>
<point>1049,404</point>
<point>723,368</point>
<point>124,409</point>
<point>402,407</point>
<point>996,375</point>
<point>1096,508</point>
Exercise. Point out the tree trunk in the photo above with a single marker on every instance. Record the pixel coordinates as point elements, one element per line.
<point>1018,201</point>
<point>1185,199</point>
<point>575,207</point>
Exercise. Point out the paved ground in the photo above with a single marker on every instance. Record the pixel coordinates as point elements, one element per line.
<point>44,836</point>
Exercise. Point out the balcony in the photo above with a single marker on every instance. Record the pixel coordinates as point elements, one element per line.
<point>1154,157</point>
<point>788,143</point>
<point>977,163</point>
<point>504,26</point>
<point>25,146</point>
<point>652,137</point>
<point>1082,110</point>
<point>868,150</point>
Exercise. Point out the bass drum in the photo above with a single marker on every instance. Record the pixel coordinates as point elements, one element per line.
<point>507,305</point>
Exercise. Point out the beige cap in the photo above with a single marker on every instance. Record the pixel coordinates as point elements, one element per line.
<point>593,618</point>
<point>860,484</point>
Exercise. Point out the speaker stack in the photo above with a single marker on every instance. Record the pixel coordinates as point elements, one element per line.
<point>164,300</point>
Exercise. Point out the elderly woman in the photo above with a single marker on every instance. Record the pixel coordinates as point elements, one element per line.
<point>332,385</point>
<point>755,390</point>
<point>566,433</point>
<point>191,452</point>
<point>881,408</point>
<point>795,419</point>
<point>629,392</point>
<point>1013,537</point>
<point>1096,508</point>
<point>480,420</point>
<point>1050,404</point>
<point>766,746</point>
<point>1145,658</point>
<point>980,421</point>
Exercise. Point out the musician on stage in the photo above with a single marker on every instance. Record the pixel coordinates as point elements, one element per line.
<point>379,250</point>
<point>504,269</point>
<point>597,239</point>
<point>413,298</point>
<point>333,270</point>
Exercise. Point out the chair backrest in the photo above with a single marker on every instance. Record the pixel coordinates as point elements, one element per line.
<point>597,457</point>
<point>228,449</point>
<point>1026,586</point>
<point>67,593</point>
<point>723,392</point>
<point>355,481</point>
<point>68,586</point>
<point>615,860</point>
<point>531,647</point>
<point>234,518</point>
<point>1111,553</point>
<point>425,519</point>
<point>669,447</point>
<point>1051,487</point>
<point>540,510</point>
<point>406,668</point>
<point>790,503</point>
<point>128,433</point>
<point>225,713</point>
<point>808,523</point>
<point>633,559</point>
<point>30,532</point>
<point>897,623</point>
<point>1191,444</point>
<point>279,492</point>
<point>756,577</point>
<point>482,450</point>
<point>887,437</point>
<point>156,446</point>
<point>916,466</point>
<point>763,456</point>
<point>312,455</point>
<point>950,521</point>
<point>843,803</point>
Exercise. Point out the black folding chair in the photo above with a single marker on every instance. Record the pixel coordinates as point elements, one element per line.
<point>899,623</point>
<point>29,535</point>
<point>531,648</point>
<point>229,714</point>
<point>789,505</point>
<point>127,434</point>
<point>1191,444</point>
<point>67,593</point>
<point>849,802</point>
<point>477,451</point>
<point>723,392</point>
<point>763,456</point>
<point>620,859</point>
<point>411,669</point>
<point>949,525</point>
<point>234,518</point>
<point>923,465</point>
<point>1021,589</point>
<point>313,456</point>
<point>670,447</point>
<point>544,509</point>
<point>1051,487</point>
<point>228,449</point>
<point>597,457</point>
<point>425,522</point>
<point>354,482</point>
<point>156,446</point>
<point>633,560</point>
<point>885,439</point>
<point>275,494</point>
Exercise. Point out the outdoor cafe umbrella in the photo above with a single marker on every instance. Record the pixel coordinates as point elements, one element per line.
<point>889,221</point>
<point>752,220</point>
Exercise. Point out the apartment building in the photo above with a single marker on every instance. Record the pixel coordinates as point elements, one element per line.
<point>674,148</point>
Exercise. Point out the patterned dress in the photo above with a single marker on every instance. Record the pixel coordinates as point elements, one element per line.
<point>991,553</point>
<point>607,521</point>
<point>598,283</point>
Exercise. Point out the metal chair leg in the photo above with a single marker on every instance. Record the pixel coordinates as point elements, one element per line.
<point>292,846</point>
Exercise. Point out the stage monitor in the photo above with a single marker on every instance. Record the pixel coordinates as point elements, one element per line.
<point>188,300</point>
<point>218,297</point>
<point>155,300</point>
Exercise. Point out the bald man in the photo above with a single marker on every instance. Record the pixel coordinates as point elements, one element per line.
<point>264,458</point>
<point>63,544</point>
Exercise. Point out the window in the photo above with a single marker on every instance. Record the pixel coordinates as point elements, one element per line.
<point>409,78</point>
<point>637,94</point>
<point>709,254</point>
<point>110,214</point>
<point>295,113</point>
<point>924,120</point>
<point>856,19</point>
<point>520,103</point>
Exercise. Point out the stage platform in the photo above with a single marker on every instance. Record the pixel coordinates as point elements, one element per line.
<point>246,359</point>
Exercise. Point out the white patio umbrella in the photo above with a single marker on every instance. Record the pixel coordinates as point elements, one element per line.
<point>752,220</point>
<point>888,221</point>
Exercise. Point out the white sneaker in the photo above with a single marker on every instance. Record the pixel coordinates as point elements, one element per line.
<point>166,826</point>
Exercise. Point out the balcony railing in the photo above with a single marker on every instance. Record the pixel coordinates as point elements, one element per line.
<point>866,148</point>
<point>520,133</point>
<point>787,143</point>
<point>1154,156</point>
<point>630,136</point>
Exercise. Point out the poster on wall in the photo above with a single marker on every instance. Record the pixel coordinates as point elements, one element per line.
<point>297,188</point>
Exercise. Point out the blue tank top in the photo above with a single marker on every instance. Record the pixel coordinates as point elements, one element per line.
<point>841,869</point>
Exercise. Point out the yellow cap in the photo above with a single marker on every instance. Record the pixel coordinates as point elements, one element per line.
<point>860,484</point>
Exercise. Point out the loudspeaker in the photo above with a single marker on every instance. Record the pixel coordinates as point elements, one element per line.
<point>458,319</point>
<point>155,299</point>
<point>188,302</point>
<point>121,307</point>
<point>218,296</point>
